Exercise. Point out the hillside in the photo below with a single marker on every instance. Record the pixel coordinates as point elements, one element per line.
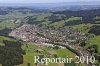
<point>85,21</point>
<point>60,33</point>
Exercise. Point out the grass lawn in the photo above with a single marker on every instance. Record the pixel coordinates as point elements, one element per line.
<point>7,24</point>
<point>30,53</point>
<point>95,41</point>
<point>4,38</point>
<point>84,28</point>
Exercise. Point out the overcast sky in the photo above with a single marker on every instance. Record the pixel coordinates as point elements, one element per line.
<point>40,1</point>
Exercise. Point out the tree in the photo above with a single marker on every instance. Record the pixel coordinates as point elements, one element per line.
<point>11,54</point>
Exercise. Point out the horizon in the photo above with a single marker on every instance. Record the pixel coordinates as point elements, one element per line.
<point>42,1</point>
<point>49,4</point>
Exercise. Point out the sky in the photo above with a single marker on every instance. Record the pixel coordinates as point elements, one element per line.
<point>40,1</point>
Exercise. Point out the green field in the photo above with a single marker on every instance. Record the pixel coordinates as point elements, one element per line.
<point>30,53</point>
<point>63,22</point>
<point>5,38</point>
<point>95,41</point>
<point>7,24</point>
